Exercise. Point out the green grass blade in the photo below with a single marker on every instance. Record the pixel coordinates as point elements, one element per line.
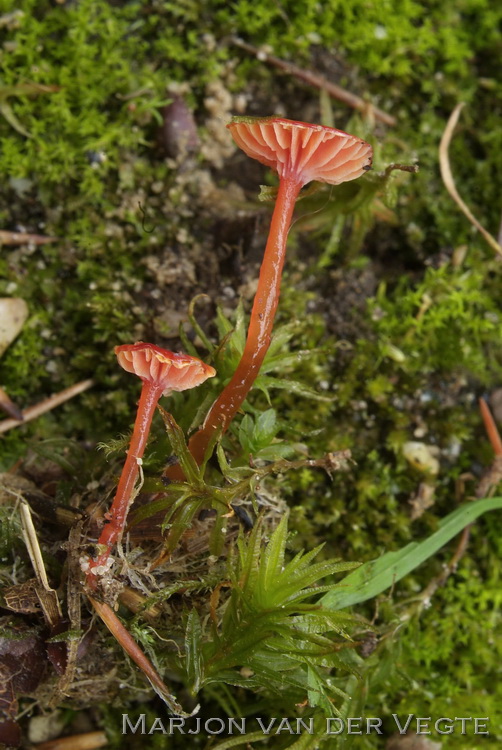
<point>180,450</point>
<point>377,575</point>
<point>273,557</point>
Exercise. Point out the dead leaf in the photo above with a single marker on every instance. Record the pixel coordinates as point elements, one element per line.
<point>13,315</point>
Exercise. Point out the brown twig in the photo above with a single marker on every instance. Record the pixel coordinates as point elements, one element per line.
<point>87,741</point>
<point>73,593</point>
<point>32,412</point>
<point>135,602</point>
<point>23,238</point>
<point>490,427</point>
<point>449,182</point>
<point>132,649</point>
<point>440,580</point>
<point>318,81</point>
<point>493,476</point>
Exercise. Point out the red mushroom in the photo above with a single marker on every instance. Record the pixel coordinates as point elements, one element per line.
<point>299,153</point>
<point>162,372</point>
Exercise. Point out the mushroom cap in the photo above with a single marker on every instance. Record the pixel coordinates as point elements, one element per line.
<point>174,372</point>
<point>302,151</point>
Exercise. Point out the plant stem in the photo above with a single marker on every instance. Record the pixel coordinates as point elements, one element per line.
<point>318,81</point>
<point>490,427</point>
<point>260,326</point>
<point>113,530</point>
<point>132,649</point>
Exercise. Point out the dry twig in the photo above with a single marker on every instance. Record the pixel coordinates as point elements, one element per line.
<point>491,429</point>
<point>449,182</point>
<point>47,596</point>
<point>74,610</point>
<point>132,649</point>
<point>87,741</point>
<point>318,81</point>
<point>32,412</point>
<point>23,238</point>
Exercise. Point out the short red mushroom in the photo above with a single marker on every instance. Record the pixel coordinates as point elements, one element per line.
<point>162,372</point>
<point>299,153</point>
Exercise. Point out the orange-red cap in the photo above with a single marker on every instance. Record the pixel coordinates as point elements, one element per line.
<point>302,151</point>
<point>171,371</point>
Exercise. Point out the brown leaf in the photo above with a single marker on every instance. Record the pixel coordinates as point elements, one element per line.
<point>22,597</point>
<point>22,656</point>
<point>10,733</point>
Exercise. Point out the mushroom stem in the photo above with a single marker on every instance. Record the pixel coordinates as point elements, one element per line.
<point>113,530</point>
<point>260,327</point>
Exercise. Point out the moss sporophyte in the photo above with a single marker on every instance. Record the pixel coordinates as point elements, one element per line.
<point>162,372</point>
<point>300,153</point>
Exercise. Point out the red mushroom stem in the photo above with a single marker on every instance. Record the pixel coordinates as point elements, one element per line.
<point>261,323</point>
<point>300,153</point>
<point>113,530</point>
<point>161,372</point>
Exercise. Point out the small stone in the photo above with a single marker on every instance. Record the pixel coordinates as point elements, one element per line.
<point>421,456</point>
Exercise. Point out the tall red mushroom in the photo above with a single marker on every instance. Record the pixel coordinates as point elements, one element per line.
<point>162,372</point>
<point>299,153</point>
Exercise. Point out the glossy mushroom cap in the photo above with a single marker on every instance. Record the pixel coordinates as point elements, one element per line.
<point>300,151</point>
<point>171,371</point>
